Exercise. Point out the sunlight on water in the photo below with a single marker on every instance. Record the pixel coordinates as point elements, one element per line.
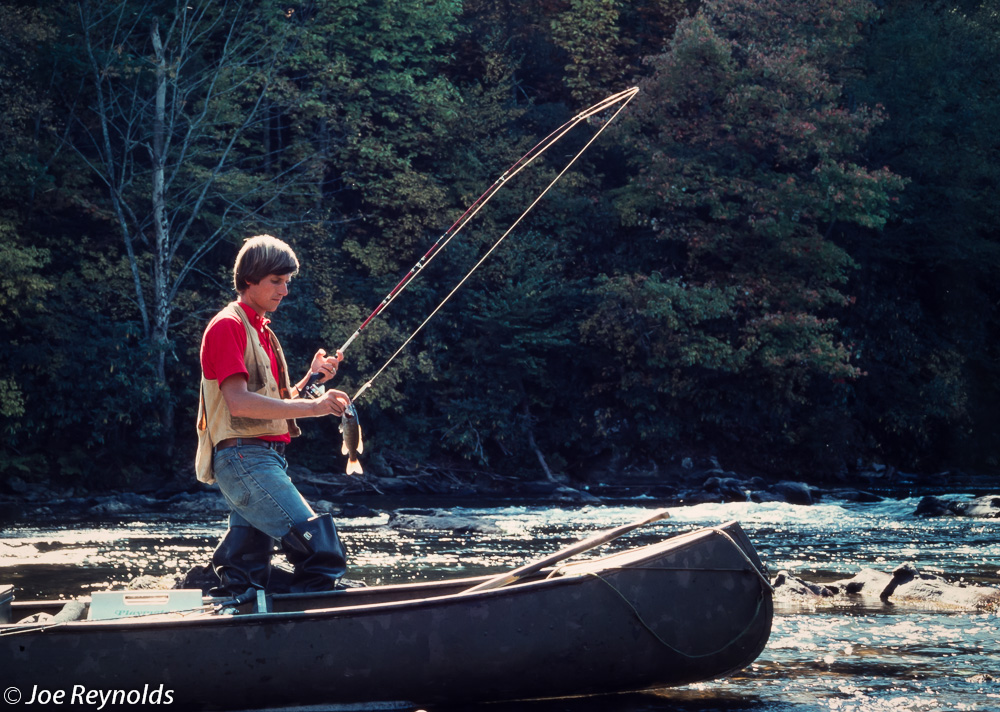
<point>773,513</point>
<point>827,660</point>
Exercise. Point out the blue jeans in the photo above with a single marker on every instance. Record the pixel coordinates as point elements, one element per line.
<point>255,484</point>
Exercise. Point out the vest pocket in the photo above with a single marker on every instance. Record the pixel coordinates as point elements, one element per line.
<point>257,379</point>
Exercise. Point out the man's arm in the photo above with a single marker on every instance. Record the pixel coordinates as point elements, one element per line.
<point>246,404</point>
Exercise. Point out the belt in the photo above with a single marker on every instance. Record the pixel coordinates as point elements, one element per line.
<point>252,442</point>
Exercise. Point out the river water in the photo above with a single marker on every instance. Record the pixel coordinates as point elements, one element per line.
<point>818,658</point>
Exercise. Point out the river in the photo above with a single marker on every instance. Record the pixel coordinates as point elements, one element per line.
<point>841,660</point>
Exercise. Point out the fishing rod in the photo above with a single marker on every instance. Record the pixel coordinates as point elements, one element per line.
<point>622,98</point>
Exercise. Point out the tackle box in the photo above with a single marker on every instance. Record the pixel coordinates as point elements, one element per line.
<point>108,605</point>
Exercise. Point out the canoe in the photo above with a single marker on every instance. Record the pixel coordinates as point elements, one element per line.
<point>685,609</point>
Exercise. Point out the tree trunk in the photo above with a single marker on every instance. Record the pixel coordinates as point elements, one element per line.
<point>161,242</point>
<point>530,433</point>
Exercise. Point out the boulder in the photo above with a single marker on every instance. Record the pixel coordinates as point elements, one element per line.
<point>763,496</point>
<point>931,506</point>
<point>853,495</point>
<point>111,508</point>
<point>347,510</point>
<point>787,586</point>
<point>794,492</point>
<point>987,507</point>
<point>906,586</point>
<point>981,678</point>
<point>571,495</point>
<point>730,489</point>
<point>441,521</point>
<point>210,502</point>
<point>15,485</point>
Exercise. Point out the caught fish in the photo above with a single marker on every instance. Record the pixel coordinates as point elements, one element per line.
<point>351,430</point>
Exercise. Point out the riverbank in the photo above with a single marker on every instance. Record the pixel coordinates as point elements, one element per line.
<point>687,483</point>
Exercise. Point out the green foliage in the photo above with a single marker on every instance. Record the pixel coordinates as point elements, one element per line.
<point>22,291</point>
<point>588,32</point>
<point>21,286</point>
<point>25,116</point>
<point>744,152</point>
<point>729,270</point>
<point>928,297</point>
<point>573,52</point>
<point>369,75</point>
<point>498,386</point>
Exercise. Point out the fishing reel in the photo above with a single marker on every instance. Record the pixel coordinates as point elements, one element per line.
<point>312,389</point>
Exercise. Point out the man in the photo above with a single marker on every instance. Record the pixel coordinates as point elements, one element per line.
<point>246,417</point>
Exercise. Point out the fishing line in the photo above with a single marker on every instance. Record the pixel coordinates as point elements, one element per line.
<point>480,202</point>
<point>626,95</point>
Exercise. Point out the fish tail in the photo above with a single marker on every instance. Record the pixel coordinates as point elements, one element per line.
<point>354,467</point>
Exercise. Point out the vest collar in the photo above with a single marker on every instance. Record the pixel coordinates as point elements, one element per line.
<point>256,321</point>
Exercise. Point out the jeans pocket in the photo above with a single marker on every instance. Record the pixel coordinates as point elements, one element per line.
<point>230,473</point>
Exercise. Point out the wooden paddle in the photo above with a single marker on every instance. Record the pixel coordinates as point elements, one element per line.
<point>581,546</point>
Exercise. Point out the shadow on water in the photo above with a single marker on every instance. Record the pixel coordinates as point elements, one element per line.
<point>681,700</point>
<point>649,701</point>
<point>677,700</point>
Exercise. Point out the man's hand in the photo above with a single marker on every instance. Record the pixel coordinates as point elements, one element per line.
<point>331,403</point>
<point>325,365</point>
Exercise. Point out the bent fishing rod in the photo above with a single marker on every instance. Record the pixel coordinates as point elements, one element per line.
<point>622,98</point>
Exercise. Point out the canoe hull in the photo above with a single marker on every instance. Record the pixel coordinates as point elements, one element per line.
<point>684,610</point>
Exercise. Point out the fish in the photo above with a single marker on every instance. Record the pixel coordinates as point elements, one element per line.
<point>351,430</point>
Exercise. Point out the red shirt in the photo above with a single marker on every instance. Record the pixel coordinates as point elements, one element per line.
<point>222,350</point>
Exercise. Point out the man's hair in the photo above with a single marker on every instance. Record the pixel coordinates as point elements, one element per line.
<point>260,256</point>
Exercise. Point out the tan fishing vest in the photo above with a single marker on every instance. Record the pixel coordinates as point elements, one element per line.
<point>216,423</point>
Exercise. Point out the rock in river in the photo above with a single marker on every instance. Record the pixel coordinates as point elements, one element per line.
<point>987,507</point>
<point>906,586</point>
<point>435,520</point>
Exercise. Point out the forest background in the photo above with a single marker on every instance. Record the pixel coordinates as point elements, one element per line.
<point>784,253</point>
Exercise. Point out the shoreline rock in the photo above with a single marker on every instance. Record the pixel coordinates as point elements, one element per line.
<point>688,483</point>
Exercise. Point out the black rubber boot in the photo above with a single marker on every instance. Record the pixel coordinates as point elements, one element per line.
<point>242,561</point>
<point>317,554</point>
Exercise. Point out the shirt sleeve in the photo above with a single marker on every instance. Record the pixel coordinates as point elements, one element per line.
<point>222,350</point>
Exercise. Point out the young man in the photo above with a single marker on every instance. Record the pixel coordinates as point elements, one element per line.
<point>246,417</point>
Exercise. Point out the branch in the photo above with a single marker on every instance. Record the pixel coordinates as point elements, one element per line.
<point>108,155</point>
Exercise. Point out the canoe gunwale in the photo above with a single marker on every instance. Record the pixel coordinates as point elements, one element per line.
<point>567,574</point>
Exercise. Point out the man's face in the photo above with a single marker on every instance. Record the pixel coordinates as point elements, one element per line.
<point>266,295</point>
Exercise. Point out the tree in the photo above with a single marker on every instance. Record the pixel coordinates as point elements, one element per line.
<point>747,167</point>
<point>174,130</point>
<point>25,113</point>
<point>588,32</point>
<point>927,315</point>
